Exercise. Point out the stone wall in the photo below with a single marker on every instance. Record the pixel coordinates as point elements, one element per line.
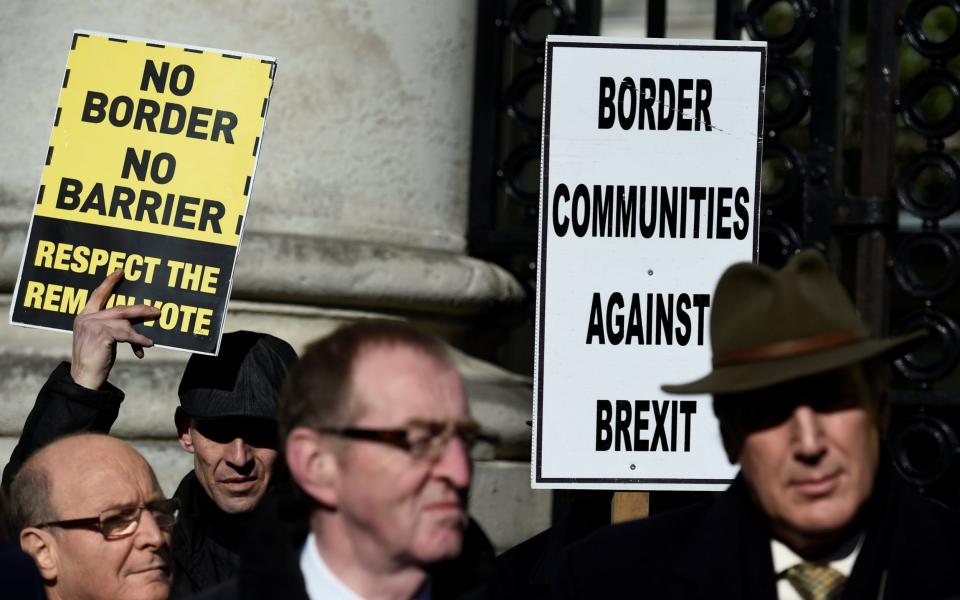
<point>358,209</point>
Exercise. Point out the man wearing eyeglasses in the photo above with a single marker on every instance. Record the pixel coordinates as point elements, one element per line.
<point>226,420</point>
<point>377,434</point>
<point>94,519</point>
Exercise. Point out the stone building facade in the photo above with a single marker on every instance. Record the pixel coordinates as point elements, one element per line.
<point>358,209</point>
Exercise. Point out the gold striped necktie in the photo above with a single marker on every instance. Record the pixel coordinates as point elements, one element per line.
<point>816,582</point>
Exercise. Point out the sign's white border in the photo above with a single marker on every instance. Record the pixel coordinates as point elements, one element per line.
<point>624,483</point>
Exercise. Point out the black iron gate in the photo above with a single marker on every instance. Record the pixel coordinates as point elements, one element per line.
<point>860,160</point>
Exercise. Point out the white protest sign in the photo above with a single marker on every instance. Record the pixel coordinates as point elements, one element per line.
<point>650,188</point>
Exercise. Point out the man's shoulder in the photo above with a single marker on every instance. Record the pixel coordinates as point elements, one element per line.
<point>923,552</point>
<point>696,551</point>
<point>938,518</point>
<point>928,529</point>
<point>656,538</point>
<point>613,561</point>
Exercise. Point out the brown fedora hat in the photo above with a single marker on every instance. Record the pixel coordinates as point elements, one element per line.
<point>770,326</point>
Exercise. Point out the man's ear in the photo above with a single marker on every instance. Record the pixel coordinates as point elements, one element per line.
<point>313,465</point>
<point>42,548</point>
<point>182,421</point>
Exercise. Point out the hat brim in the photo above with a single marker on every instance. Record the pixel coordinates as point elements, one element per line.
<point>751,376</point>
<point>231,417</point>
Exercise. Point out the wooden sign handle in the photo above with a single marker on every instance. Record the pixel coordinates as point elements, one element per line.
<point>627,506</point>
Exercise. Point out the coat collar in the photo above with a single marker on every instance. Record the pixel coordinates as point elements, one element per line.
<point>730,553</point>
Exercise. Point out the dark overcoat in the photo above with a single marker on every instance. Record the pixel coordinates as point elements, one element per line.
<point>270,564</point>
<point>720,549</point>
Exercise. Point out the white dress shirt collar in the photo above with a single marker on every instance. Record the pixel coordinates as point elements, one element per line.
<point>322,583</point>
<point>783,558</point>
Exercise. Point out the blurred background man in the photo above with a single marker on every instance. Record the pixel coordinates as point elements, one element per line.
<point>377,433</point>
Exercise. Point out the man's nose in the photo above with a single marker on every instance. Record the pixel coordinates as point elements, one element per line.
<point>808,436</point>
<point>149,534</point>
<point>238,453</point>
<point>454,464</point>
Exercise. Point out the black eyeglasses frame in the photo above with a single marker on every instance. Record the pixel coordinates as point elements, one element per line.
<point>470,433</point>
<point>169,507</point>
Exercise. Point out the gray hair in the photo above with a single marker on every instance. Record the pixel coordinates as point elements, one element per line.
<point>30,495</point>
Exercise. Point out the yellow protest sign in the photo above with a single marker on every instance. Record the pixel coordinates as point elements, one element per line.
<point>150,168</point>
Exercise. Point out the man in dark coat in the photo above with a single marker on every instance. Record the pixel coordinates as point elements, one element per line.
<point>377,433</point>
<point>226,419</point>
<point>817,510</point>
<point>270,563</point>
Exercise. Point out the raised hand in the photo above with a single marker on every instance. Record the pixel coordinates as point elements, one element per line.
<point>96,332</point>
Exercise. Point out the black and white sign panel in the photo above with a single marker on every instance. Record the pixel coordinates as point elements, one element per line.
<point>650,189</point>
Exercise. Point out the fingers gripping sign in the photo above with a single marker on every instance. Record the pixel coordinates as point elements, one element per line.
<point>96,332</point>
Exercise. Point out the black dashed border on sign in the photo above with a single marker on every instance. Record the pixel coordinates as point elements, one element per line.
<point>49,155</point>
<point>73,44</point>
<point>40,194</point>
<point>263,110</point>
<point>273,66</point>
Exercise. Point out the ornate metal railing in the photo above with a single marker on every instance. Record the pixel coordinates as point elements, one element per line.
<point>860,160</point>
<point>508,101</point>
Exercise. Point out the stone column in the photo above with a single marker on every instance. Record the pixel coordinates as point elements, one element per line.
<point>358,207</point>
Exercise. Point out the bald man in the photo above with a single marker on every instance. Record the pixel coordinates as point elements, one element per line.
<point>91,514</point>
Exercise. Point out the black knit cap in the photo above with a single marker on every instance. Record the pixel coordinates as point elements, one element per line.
<point>244,380</point>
